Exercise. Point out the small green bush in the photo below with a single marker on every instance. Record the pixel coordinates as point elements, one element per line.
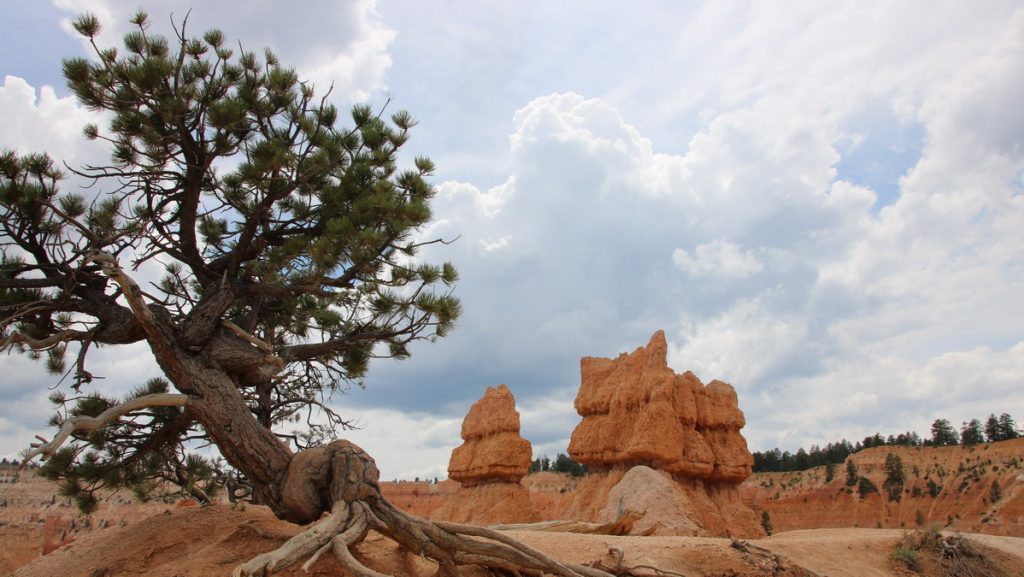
<point>865,487</point>
<point>907,556</point>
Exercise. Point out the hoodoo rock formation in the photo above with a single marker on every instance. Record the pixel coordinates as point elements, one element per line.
<point>638,412</point>
<point>490,464</point>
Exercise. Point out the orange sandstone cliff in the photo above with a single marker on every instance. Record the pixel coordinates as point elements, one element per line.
<point>490,464</point>
<point>661,442</point>
<point>976,489</point>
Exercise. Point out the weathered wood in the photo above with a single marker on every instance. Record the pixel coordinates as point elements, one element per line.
<point>621,526</point>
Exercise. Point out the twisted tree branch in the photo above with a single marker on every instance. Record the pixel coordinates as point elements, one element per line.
<point>42,344</point>
<point>84,423</point>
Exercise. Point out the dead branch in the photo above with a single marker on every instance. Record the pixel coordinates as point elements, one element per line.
<point>259,344</point>
<point>621,526</point>
<point>18,338</point>
<point>83,423</point>
<point>246,336</point>
<point>253,528</point>
<point>131,291</point>
<point>617,566</point>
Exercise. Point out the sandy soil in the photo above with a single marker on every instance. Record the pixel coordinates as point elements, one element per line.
<point>199,542</point>
<point>126,538</point>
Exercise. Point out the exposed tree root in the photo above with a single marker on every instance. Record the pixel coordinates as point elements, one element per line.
<point>621,526</point>
<point>346,474</point>
<point>449,544</point>
<point>616,566</point>
<point>298,547</point>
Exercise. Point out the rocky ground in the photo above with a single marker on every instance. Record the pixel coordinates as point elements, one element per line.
<point>210,541</point>
<point>35,520</point>
<point>125,538</point>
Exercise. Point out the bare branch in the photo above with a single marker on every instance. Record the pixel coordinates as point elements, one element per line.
<point>41,344</point>
<point>84,423</point>
<point>27,283</point>
<point>154,331</point>
<point>251,339</point>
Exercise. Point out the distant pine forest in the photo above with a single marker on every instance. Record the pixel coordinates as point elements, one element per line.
<point>943,434</point>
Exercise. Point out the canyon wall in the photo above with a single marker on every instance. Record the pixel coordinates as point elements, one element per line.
<point>951,487</point>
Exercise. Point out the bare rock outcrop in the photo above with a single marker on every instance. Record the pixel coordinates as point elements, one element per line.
<point>671,507</point>
<point>646,426</point>
<point>492,450</point>
<point>638,411</point>
<point>490,464</point>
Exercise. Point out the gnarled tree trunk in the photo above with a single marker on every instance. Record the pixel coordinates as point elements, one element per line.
<point>340,480</point>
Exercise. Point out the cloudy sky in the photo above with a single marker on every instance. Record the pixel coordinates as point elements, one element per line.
<point>819,202</point>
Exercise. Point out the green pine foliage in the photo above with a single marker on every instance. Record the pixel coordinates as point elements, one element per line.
<point>123,455</point>
<point>1000,428</point>
<point>851,473</point>
<point>562,464</point>
<point>943,434</point>
<point>894,477</point>
<point>766,523</point>
<point>865,487</point>
<point>1007,428</point>
<point>971,433</point>
<point>269,209</point>
<point>995,493</point>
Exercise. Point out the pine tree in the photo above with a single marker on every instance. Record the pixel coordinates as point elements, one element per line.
<point>971,433</point>
<point>1007,427</point>
<point>995,492</point>
<point>766,523</point>
<point>292,255</point>
<point>992,430</point>
<point>851,473</point>
<point>943,434</point>
<point>563,464</point>
<point>865,487</point>
<point>894,477</point>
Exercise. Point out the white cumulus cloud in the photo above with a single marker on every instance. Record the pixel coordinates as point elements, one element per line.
<point>718,257</point>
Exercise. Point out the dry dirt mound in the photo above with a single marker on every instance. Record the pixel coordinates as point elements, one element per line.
<point>210,541</point>
<point>35,520</point>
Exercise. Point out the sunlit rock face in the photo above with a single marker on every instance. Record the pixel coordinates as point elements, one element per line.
<point>660,442</point>
<point>490,464</point>
<point>492,450</point>
<point>637,411</point>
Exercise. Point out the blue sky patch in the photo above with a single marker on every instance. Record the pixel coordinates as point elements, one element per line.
<point>34,24</point>
<point>878,151</point>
